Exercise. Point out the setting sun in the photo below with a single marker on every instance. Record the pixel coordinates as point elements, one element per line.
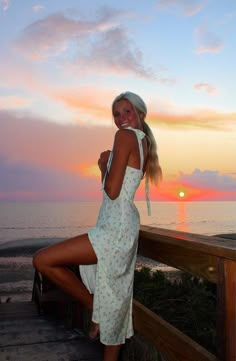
<point>181,194</point>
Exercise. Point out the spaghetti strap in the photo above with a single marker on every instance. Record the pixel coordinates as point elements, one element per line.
<point>140,135</point>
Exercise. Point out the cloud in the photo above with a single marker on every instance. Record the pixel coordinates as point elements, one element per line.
<point>49,145</point>
<point>100,43</point>
<point>42,160</point>
<point>209,179</point>
<point>113,51</point>
<point>208,119</point>
<point>206,185</point>
<point>186,7</point>
<point>21,181</point>
<point>90,101</point>
<point>13,102</point>
<point>5,4</point>
<point>208,88</point>
<point>207,42</point>
<point>37,8</point>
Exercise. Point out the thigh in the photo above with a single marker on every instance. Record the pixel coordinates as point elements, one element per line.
<point>76,250</point>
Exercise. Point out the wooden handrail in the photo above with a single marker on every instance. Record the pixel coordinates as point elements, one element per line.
<point>212,258</point>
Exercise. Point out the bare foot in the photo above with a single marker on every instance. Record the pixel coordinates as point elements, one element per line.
<point>94,330</point>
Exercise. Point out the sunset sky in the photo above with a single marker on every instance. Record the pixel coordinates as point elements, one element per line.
<point>62,64</point>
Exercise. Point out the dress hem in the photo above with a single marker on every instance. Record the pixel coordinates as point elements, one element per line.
<point>117,343</point>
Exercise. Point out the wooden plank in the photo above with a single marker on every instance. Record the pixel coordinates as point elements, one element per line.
<point>230,310</point>
<point>178,256</point>
<point>17,310</point>
<point>25,338</point>
<point>221,324</point>
<point>216,246</point>
<point>166,338</point>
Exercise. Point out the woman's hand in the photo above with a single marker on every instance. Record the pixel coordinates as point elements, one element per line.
<point>102,161</point>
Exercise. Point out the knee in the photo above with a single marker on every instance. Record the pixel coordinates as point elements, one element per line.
<point>39,261</point>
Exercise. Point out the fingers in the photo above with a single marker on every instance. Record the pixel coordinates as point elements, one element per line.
<point>102,161</point>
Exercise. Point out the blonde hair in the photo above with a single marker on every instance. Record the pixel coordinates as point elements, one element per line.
<point>153,169</point>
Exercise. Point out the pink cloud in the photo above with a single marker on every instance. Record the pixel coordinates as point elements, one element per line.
<point>200,185</point>
<point>93,102</point>
<point>90,100</point>
<point>196,119</point>
<point>37,8</point>
<point>112,51</point>
<point>49,145</point>
<point>28,182</point>
<point>13,102</point>
<point>210,179</point>
<point>5,4</point>
<point>208,88</point>
<point>41,160</point>
<point>187,7</point>
<point>56,31</point>
<point>207,42</point>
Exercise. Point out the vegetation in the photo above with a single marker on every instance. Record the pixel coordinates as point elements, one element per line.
<point>187,302</point>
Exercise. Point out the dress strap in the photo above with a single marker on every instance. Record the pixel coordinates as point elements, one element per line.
<point>140,135</point>
<point>108,168</point>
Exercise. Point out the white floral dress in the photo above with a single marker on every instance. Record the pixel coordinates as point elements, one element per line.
<point>115,240</point>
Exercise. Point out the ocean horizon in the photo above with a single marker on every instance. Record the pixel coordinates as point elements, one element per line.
<point>29,220</point>
<point>26,227</point>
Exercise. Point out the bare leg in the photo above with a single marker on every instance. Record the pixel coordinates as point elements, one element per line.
<point>52,262</point>
<point>94,330</point>
<point>111,353</point>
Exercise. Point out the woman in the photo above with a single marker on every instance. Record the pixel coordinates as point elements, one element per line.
<point>112,244</point>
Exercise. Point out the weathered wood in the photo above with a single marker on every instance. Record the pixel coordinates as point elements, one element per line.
<point>221,324</point>
<point>179,256</point>
<point>166,338</point>
<point>26,336</point>
<point>17,310</point>
<point>230,310</point>
<point>214,246</point>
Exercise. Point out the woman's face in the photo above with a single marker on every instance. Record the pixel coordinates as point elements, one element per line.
<point>125,115</point>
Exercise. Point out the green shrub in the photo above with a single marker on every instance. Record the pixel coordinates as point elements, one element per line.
<point>187,302</point>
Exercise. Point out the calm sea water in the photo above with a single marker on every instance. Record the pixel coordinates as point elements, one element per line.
<point>65,219</point>
<point>22,225</point>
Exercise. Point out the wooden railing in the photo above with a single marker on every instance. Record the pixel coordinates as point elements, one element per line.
<point>211,258</point>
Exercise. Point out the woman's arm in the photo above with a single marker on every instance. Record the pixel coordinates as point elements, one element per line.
<point>102,162</point>
<point>123,145</point>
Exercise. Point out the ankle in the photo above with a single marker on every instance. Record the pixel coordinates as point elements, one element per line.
<point>94,330</point>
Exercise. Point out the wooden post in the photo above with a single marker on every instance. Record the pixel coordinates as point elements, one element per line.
<point>227,305</point>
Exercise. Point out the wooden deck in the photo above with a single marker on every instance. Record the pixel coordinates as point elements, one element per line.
<point>27,336</point>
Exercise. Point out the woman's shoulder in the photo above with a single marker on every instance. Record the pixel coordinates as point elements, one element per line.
<point>126,133</point>
<point>124,140</point>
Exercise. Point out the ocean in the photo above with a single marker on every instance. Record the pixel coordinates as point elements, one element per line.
<point>25,227</point>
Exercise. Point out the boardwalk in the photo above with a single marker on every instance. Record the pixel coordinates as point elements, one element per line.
<point>26,336</point>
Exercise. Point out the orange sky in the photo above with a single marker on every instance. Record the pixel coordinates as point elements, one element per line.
<point>62,64</point>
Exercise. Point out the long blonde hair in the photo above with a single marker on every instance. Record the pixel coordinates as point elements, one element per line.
<point>153,169</point>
